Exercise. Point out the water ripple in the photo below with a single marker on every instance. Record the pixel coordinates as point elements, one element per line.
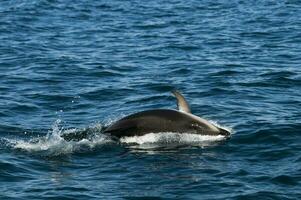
<point>90,63</point>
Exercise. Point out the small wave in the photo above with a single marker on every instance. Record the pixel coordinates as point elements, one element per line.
<point>53,144</point>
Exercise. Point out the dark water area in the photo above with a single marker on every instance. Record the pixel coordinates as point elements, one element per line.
<point>68,66</point>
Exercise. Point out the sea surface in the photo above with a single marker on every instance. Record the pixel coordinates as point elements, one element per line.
<point>71,66</point>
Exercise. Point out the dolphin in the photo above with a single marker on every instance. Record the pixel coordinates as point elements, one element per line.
<point>164,120</point>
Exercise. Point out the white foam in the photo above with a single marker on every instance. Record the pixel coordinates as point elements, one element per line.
<point>53,144</point>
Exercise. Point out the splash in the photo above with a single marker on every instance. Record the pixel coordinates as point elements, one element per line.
<point>54,144</point>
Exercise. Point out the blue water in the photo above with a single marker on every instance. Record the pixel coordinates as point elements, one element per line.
<point>68,66</point>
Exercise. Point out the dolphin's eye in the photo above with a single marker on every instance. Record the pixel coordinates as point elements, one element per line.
<point>198,128</point>
<point>195,125</point>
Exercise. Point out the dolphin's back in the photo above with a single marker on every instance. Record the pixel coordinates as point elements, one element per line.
<point>161,120</point>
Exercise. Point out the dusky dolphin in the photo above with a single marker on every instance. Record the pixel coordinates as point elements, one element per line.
<point>164,120</point>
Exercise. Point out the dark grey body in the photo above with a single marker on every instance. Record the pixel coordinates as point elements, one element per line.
<point>162,120</point>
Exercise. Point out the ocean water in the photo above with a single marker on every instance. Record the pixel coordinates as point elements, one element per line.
<point>70,66</point>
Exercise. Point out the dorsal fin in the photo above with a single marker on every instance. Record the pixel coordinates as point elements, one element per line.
<point>182,103</point>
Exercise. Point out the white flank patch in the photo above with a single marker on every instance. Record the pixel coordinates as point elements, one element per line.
<point>169,137</point>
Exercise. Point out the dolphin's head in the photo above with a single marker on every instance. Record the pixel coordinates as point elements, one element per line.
<point>224,132</point>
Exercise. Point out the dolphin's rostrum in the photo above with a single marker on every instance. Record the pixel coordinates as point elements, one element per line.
<point>164,120</point>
